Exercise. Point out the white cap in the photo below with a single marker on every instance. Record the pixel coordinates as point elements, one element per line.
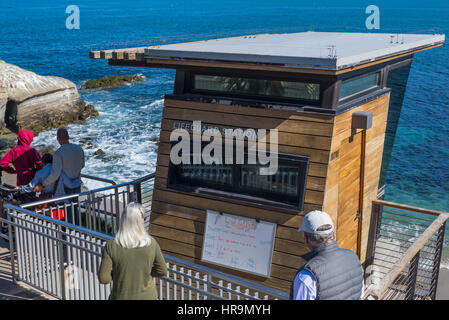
<point>315,219</point>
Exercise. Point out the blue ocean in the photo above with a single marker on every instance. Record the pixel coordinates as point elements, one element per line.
<point>34,36</point>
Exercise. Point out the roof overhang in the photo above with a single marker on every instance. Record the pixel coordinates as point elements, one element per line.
<point>311,52</point>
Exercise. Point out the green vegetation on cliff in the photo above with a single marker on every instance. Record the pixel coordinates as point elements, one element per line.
<point>111,82</point>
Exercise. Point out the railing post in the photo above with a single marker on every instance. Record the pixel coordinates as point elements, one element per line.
<point>206,286</point>
<point>138,192</point>
<point>11,249</point>
<point>411,277</point>
<point>88,211</point>
<point>437,261</point>
<point>209,284</point>
<point>2,209</point>
<point>373,235</point>
<point>117,209</point>
<point>61,262</point>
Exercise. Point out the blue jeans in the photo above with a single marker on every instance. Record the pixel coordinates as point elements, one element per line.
<point>69,191</point>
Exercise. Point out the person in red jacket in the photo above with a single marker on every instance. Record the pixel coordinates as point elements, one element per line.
<point>25,159</point>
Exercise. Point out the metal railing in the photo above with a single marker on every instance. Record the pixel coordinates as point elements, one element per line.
<point>404,258</point>
<point>98,210</point>
<point>97,179</point>
<point>62,260</point>
<point>55,257</point>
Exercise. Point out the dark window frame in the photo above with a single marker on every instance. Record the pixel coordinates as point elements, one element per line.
<point>189,88</point>
<point>363,92</point>
<point>234,191</point>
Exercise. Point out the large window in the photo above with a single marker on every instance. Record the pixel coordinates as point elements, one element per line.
<point>256,87</point>
<point>244,181</point>
<point>358,85</point>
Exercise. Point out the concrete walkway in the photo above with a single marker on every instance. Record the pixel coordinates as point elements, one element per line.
<point>9,290</point>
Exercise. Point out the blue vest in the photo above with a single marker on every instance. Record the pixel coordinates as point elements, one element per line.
<point>338,272</point>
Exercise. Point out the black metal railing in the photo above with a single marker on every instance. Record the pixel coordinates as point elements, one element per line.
<point>403,259</point>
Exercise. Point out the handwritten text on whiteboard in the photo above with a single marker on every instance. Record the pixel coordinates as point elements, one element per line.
<point>238,242</point>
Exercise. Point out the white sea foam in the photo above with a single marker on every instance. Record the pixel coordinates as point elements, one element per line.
<point>157,103</point>
<point>126,133</point>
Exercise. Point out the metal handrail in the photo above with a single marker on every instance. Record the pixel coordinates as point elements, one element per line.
<point>97,178</point>
<point>411,255</point>
<point>407,207</point>
<point>211,273</point>
<point>124,184</point>
<point>57,222</point>
<point>40,202</point>
<point>227,277</point>
<point>75,195</point>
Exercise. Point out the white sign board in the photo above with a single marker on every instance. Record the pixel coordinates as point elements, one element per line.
<point>238,242</point>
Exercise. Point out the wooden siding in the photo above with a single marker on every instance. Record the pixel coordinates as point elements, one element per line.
<point>342,191</point>
<point>333,181</point>
<point>178,218</point>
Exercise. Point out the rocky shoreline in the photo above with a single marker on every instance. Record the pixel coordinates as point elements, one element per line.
<point>36,103</point>
<point>39,103</point>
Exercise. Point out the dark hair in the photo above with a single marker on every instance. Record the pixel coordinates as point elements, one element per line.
<point>47,158</point>
<point>62,134</point>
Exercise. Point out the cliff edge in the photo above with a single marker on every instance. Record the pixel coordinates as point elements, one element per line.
<point>34,102</point>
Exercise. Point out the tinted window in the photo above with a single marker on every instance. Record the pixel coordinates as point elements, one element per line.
<point>257,87</point>
<point>287,185</point>
<point>356,85</point>
<point>196,174</point>
<point>285,181</point>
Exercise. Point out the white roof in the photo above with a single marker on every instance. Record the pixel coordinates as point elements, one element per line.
<point>315,50</point>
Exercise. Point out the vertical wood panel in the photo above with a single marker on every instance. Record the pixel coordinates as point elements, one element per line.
<point>341,192</point>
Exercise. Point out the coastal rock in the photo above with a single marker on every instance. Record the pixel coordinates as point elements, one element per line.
<point>112,82</point>
<point>99,153</point>
<point>34,102</point>
<point>156,139</point>
<point>44,149</point>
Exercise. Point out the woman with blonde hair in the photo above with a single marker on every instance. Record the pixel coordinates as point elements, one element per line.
<point>131,259</point>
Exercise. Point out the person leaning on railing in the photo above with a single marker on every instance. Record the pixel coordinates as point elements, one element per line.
<point>131,259</point>
<point>68,159</point>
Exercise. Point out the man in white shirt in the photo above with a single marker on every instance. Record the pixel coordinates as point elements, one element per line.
<point>330,273</point>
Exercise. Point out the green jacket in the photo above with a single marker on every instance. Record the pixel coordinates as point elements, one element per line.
<point>132,270</point>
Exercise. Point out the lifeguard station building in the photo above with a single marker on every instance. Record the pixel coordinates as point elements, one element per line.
<point>335,100</point>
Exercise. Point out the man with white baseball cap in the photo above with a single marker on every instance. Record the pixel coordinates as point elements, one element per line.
<point>330,272</point>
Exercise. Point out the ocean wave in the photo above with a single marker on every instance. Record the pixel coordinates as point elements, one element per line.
<point>123,131</point>
<point>157,103</point>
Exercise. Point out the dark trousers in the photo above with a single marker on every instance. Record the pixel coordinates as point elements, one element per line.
<point>73,217</point>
